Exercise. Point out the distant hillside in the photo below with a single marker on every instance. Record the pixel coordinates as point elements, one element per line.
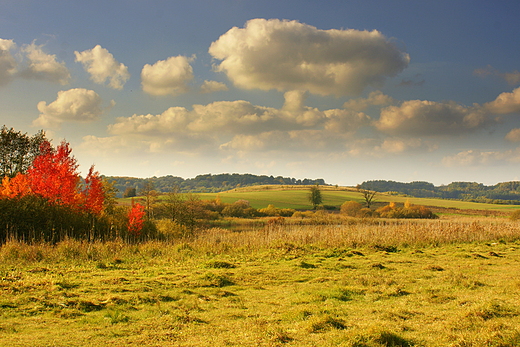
<point>206,183</point>
<point>501,193</point>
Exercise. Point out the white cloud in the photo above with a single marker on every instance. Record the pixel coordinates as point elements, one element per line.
<point>421,117</point>
<point>505,103</point>
<point>102,66</point>
<point>79,105</point>
<point>288,55</point>
<point>43,66</point>
<point>212,86</point>
<point>167,77</point>
<point>7,61</point>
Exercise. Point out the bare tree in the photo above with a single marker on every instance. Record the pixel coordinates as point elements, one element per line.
<point>368,195</point>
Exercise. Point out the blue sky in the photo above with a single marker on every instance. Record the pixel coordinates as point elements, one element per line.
<point>346,91</point>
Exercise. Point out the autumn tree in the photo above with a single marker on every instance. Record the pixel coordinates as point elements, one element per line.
<point>136,219</point>
<point>54,176</point>
<point>18,150</point>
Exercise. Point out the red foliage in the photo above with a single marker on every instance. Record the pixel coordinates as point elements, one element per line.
<point>53,175</point>
<point>136,219</point>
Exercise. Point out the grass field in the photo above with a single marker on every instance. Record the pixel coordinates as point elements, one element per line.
<point>296,197</point>
<point>368,283</point>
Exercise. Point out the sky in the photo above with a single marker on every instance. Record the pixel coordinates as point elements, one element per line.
<point>347,91</point>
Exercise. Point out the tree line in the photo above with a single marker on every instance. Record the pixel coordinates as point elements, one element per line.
<point>501,193</point>
<point>207,183</point>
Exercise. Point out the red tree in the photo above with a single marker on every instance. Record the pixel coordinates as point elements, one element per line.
<point>94,194</point>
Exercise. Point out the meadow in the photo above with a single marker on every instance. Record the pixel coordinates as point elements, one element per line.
<point>368,282</point>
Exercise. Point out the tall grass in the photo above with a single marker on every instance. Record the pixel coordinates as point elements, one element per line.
<point>364,233</point>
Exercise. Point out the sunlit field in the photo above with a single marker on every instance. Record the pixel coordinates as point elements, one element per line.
<point>445,282</point>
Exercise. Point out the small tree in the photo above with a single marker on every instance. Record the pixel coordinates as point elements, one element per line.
<point>315,196</point>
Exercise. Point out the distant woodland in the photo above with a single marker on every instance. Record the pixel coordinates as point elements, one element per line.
<point>207,183</point>
<point>501,193</point>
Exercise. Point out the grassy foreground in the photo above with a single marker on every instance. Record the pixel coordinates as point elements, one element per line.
<point>412,283</point>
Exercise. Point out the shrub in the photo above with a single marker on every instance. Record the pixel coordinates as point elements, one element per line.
<point>351,208</point>
<point>272,211</point>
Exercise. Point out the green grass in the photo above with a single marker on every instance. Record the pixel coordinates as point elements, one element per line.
<point>406,283</point>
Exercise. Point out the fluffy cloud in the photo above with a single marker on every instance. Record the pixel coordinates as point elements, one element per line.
<point>505,103</point>
<point>7,61</point>
<point>212,86</point>
<point>102,66</point>
<point>419,117</point>
<point>288,55</point>
<point>167,77</point>
<point>80,105</point>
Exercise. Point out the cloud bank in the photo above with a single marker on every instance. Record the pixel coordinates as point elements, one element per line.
<point>288,55</point>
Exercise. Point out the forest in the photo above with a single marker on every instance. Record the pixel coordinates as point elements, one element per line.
<point>206,183</point>
<point>500,193</point>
